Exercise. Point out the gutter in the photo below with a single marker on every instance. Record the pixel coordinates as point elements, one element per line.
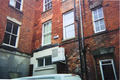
<point>82,40</point>
<point>78,40</point>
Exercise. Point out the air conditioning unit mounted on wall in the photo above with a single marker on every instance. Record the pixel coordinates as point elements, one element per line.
<point>58,55</point>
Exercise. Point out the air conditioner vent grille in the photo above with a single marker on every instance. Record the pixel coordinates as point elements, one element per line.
<point>55,53</point>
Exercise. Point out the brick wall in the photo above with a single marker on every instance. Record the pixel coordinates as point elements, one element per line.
<point>56,15</point>
<point>26,17</point>
<point>109,38</point>
<point>106,39</point>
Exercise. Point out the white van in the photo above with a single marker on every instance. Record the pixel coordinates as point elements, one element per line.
<point>52,77</point>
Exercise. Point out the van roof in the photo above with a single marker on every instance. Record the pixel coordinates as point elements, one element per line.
<point>49,75</point>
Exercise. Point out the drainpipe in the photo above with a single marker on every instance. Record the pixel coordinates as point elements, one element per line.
<point>82,38</point>
<point>66,58</point>
<point>81,26</point>
<point>78,40</point>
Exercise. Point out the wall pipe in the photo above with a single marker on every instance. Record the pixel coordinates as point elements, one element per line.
<point>82,38</point>
<point>81,26</point>
<point>78,39</point>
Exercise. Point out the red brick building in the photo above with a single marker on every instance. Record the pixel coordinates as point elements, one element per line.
<point>59,16</point>
<point>16,31</point>
<point>100,24</point>
<point>101,35</point>
<point>47,25</point>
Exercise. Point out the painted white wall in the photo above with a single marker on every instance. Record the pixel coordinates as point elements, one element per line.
<point>50,69</point>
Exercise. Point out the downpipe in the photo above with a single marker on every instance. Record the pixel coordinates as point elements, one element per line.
<point>79,47</point>
<point>82,40</point>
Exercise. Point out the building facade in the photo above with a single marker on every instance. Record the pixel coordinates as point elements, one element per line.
<point>16,29</point>
<point>101,38</point>
<point>63,36</point>
<point>56,25</point>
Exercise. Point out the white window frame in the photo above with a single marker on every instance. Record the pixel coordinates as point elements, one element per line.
<point>64,26</point>
<point>100,62</point>
<point>98,20</point>
<point>43,61</point>
<point>17,36</point>
<point>21,6</point>
<point>46,4</point>
<point>50,32</point>
<point>63,0</point>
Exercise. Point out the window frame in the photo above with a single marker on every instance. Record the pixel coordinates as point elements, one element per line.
<point>50,32</point>
<point>64,26</point>
<point>46,4</point>
<point>98,20</point>
<point>112,63</point>
<point>44,63</point>
<point>63,0</point>
<point>17,35</point>
<point>21,4</point>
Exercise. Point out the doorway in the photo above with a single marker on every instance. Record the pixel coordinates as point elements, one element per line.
<point>107,69</point>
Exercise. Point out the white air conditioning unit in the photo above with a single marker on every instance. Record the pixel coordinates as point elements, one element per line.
<point>58,55</point>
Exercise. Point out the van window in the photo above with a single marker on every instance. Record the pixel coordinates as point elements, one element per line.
<point>43,79</point>
<point>39,79</point>
<point>72,78</point>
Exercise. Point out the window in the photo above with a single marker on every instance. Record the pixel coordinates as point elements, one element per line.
<point>47,5</point>
<point>68,25</point>
<point>16,3</point>
<point>46,33</point>
<point>107,69</point>
<point>63,0</point>
<point>98,20</point>
<point>44,61</point>
<point>11,34</point>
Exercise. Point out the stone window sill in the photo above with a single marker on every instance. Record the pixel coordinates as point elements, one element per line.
<point>46,10</point>
<point>49,67</point>
<point>15,9</point>
<point>68,39</point>
<point>63,1</point>
<point>102,32</point>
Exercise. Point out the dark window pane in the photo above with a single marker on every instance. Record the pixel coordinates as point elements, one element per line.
<point>18,5</point>
<point>48,60</point>
<point>49,5</point>
<point>40,62</point>
<point>108,72</point>
<point>106,62</point>
<point>15,29</point>
<point>13,40</point>
<point>9,27</point>
<point>45,1</point>
<point>19,0</point>
<point>46,7</point>
<point>6,38</point>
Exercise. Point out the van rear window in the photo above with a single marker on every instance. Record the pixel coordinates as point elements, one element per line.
<point>43,79</point>
<point>72,78</point>
<point>37,79</point>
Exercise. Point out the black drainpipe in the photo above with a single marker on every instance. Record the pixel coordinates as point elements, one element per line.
<point>82,41</point>
<point>78,40</point>
<point>66,57</point>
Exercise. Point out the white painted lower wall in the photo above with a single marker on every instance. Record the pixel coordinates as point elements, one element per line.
<point>50,69</point>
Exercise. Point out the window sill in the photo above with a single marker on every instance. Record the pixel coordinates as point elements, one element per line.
<point>46,44</point>
<point>98,33</point>
<point>64,1</point>
<point>68,39</point>
<point>46,10</point>
<point>15,8</point>
<point>8,47</point>
<point>48,67</point>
